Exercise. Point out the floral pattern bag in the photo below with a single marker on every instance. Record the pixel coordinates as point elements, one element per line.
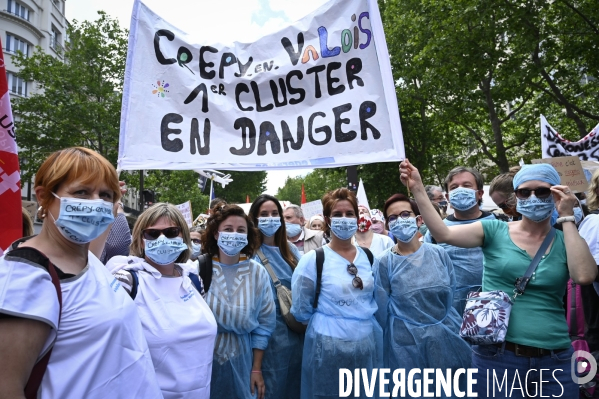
<point>487,314</point>
<point>486,317</point>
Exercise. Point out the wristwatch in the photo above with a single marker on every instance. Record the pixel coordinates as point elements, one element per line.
<point>566,219</point>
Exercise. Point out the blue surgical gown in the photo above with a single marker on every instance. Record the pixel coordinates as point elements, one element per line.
<point>414,294</point>
<point>467,263</point>
<point>342,331</point>
<point>243,306</point>
<point>282,362</point>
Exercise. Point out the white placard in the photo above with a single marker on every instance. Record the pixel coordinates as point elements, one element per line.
<point>553,145</point>
<point>312,208</point>
<point>318,93</point>
<point>185,209</point>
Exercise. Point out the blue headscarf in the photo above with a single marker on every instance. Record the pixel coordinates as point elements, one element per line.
<point>541,171</point>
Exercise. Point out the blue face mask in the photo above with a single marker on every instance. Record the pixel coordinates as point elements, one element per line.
<point>269,225</point>
<point>196,250</point>
<point>232,243</point>
<point>462,198</point>
<point>293,229</point>
<point>164,251</point>
<point>442,204</point>
<point>578,215</point>
<point>81,221</point>
<point>404,229</point>
<point>536,209</point>
<point>344,228</point>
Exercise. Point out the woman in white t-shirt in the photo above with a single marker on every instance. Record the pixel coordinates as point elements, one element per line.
<point>178,325</point>
<point>365,237</point>
<point>67,330</point>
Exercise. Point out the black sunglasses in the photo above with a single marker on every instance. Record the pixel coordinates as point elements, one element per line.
<point>540,192</point>
<point>169,232</point>
<point>357,281</point>
<point>503,205</point>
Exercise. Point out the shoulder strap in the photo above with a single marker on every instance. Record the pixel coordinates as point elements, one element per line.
<point>572,312</point>
<point>369,254</point>
<point>266,264</point>
<point>38,371</point>
<point>134,283</point>
<point>195,280</point>
<point>319,264</point>
<point>522,282</point>
<point>205,272</point>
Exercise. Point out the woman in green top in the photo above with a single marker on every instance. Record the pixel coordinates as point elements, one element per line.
<point>535,359</point>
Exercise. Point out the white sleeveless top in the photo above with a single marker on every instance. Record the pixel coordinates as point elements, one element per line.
<point>99,349</point>
<point>179,328</point>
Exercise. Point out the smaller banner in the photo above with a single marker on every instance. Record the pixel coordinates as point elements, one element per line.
<point>185,209</point>
<point>312,208</point>
<point>10,176</point>
<point>553,145</point>
<point>570,172</point>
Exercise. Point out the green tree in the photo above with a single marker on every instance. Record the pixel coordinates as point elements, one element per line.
<point>80,98</point>
<point>243,184</point>
<point>291,190</point>
<point>177,187</point>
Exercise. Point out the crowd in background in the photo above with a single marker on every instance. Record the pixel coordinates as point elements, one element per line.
<point>271,304</point>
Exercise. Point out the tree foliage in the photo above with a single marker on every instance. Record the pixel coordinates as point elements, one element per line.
<point>177,187</point>
<point>243,184</point>
<point>80,99</point>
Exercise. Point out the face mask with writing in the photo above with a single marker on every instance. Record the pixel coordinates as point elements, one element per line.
<point>231,243</point>
<point>81,220</point>
<point>344,228</point>
<point>404,229</point>
<point>462,198</point>
<point>164,251</point>
<point>269,225</point>
<point>536,209</point>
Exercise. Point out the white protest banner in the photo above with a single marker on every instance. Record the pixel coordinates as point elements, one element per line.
<point>318,93</point>
<point>553,145</point>
<point>312,208</point>
<point>185,209</point>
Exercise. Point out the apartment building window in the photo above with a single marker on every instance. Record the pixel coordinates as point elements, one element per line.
<point>17,8</point>
<point>16,85</point>
<point>15,43</point>
<point>55,38</point>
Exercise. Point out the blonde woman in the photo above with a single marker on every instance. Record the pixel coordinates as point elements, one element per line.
<point>178,325</point>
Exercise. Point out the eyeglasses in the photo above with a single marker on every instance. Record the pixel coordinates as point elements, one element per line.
<point>196,241</point>
<point>169,232</point>
<point>540,192</point>
<point>357,281</point>
<point>403,215</point>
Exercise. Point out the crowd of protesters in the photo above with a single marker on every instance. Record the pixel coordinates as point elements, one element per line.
<point>270,304</point>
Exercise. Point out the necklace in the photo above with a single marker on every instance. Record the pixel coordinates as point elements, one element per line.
<point>396,251</point>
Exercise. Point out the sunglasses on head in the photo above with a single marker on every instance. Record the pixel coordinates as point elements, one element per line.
<point>540,192</point>
<point>169,232</point>
<point>357,281</point>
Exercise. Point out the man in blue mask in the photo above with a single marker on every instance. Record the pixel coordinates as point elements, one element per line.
<point>464,191</point>
<point>304,239</point>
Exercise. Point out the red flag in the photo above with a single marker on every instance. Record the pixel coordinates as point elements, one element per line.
<point>303,195</point>
<point>247,199</point>
<point>10,177</point>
